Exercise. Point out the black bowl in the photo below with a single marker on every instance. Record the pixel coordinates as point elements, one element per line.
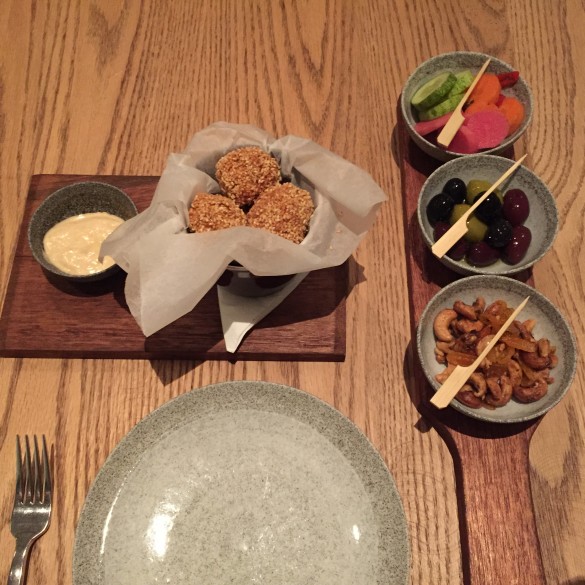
<point>75,199</point>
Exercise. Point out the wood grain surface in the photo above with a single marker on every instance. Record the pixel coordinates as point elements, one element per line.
<point>114,86</point>
<point>66,319</point>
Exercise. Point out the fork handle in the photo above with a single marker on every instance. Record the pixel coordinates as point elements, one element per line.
<point>17,575</point>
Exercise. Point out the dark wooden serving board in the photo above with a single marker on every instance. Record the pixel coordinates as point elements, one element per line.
<point>45,316</point>
<point>496,517</point>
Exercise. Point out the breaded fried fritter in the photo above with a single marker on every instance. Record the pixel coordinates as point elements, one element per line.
<point>244,173</point>
<point>284,210</point>
<point>214,212</point>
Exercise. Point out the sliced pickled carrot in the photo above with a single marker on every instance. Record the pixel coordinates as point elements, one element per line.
<point>487,90</point>
<point>476,106</point>
<point>514,112</point>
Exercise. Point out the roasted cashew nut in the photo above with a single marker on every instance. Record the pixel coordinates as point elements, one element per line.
<point>465,310</point>
<point>531,393</point>
<point>441,377</point>
<point>441,324</point>
<point>543,347</point>
<point>535,361</point>
<point>515,373</point>
<point>467,325</point>
<point>478,382</point>
<point>479,305</point>
<point>467,396</point>
<point>500,390</point>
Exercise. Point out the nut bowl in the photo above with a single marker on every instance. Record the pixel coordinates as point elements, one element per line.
<point>550,324</point>
<point>69,201</point>
<point>456,62</point>
<point>542,220</point>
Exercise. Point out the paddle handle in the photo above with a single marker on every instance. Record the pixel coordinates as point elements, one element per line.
<point>499,538</point>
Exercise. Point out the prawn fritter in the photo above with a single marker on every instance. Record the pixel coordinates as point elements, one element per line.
<point>284,210</point>
<point>214,212</point>
<point>246,172</point>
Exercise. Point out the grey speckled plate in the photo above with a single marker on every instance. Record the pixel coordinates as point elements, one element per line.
<point>243,482</point>
<point>550,324</point>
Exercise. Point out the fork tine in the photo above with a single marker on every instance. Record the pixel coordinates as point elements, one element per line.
<point>28,493</point>
<point>19,495</point>
<point>47,473</point>
<point>31,514</point>
<point>37,479</point>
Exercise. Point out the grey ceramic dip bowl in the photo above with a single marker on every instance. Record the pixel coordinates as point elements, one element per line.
<point>542,221</point>
<point>455,62</point>
<point>549,323</point>
<point>69,201</point>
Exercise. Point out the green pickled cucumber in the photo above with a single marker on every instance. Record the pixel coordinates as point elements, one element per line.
<point>433,91</point>
<point>464,80</point>
<point>441,109</point>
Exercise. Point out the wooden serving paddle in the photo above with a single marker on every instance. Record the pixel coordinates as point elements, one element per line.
<point>459,228</point>
<point>442,398</point>
<point>457,118</point>
<point>497,525</point>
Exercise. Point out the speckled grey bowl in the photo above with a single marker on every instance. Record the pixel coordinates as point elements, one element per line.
<point>455,62</point>
<point>550,324</point>
<point>237,481</point>
<point>543,219</point>
<point>85,197</point>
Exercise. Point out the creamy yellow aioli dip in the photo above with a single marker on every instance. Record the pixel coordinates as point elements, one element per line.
<point>73,244</point>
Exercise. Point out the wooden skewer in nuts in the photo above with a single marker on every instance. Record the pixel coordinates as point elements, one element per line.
<point>442,398</point>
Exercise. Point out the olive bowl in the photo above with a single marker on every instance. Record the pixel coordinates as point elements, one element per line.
<point>459,61</point>
<point>542,220</point>
<point>73,200</point>
<point>550,324</point>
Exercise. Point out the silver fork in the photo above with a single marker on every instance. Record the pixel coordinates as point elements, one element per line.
<point>32,504</point>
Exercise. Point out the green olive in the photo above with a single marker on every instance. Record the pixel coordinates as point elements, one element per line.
<point>458,210</point>
<point>476,229</point>
<point>476,186</point>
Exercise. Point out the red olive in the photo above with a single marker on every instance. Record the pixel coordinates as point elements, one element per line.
<point>515,251</point>
<point>516,207</point>
<point>482,254</point>
<point>440,230</point>
<point>458,251</point>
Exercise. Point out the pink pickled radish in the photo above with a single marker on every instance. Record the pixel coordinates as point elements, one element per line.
<point>424,128</point>
<point>490,128</point>
<point>466,141</point>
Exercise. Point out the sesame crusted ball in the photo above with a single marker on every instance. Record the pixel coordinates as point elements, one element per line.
<point>214,212</point>
<point>284,210</point>
<point>246,172</point>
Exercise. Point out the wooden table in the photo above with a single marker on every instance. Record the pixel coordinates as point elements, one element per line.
<point>114,87</point>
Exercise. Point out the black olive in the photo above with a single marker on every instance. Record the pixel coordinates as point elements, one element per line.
<point>499,233</point>
<point>439,208</point>
<point>456,188</point>
<point>490,210</point>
